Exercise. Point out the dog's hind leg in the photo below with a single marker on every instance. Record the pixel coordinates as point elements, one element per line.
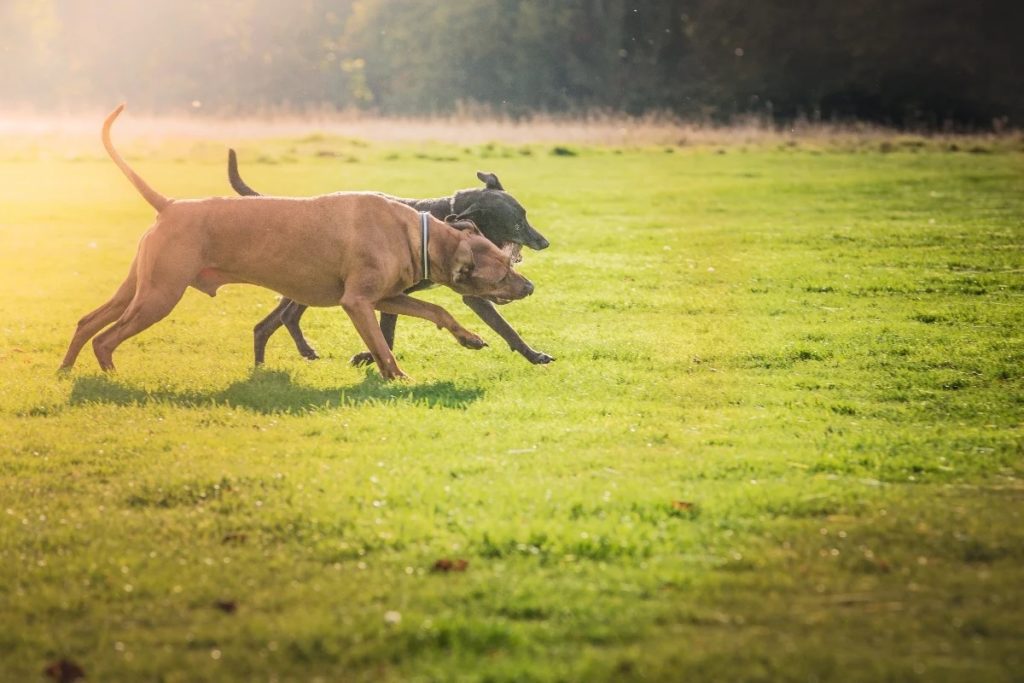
<point>264,328</point>
<point>286,313</point>
<point>95,321</point>
<point>290,317</point>
<point>149,306</point>
<point>162,272</point>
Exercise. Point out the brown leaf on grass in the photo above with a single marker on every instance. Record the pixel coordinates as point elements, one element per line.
<point>233,538</point>
<point>226,606</point>
<point>682,505</point>
<point>446,565</point>
<point>64,671</point>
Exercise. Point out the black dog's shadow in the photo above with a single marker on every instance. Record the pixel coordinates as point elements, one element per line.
<point>273,391</point>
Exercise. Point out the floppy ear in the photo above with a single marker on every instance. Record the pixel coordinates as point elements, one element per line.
<point>470,210</point>
<point>490,180</point>
<point>463,262</point>
<point>464,225</point>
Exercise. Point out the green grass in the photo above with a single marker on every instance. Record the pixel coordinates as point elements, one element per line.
<point>782,440</point>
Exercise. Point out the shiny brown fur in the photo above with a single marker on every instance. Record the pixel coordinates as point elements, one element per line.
<point>356,250</point>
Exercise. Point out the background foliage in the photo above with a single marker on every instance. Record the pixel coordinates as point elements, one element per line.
<point>904,62</point>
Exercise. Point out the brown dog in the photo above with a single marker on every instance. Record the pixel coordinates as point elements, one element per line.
<point>358,250</point>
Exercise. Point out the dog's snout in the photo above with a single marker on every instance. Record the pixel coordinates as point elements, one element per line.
<point>535,240</point>
<point>528,287</point>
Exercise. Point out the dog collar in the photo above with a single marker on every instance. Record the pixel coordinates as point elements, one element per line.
<point>424,258</point>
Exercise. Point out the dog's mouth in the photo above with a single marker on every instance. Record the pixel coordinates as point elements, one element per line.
<point>514,252</point>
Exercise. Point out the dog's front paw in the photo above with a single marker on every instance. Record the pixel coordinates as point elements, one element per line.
<point>470,340</point>
<point>397,376</point>
<point>360,359</point>
<point>309,353</point>
<point>538,357</point>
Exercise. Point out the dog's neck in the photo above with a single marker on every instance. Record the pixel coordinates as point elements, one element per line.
<point>439,207</point>
<point>442,242</point>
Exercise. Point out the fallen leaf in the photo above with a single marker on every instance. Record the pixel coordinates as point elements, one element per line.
<point>64,671</point>
<point>446,565</point>
<point>226,606</point>
<point>233,538</point>
<point>681,505</point>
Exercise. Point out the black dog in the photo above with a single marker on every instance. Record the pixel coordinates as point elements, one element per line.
<point>498,215</point>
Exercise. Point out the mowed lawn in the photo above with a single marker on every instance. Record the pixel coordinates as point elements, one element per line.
<point>782,440</point>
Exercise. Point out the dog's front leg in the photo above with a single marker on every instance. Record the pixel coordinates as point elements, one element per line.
<point>406,305</point>
<point>360,310</point>
<point>387,326</point>
<point>489,314</point>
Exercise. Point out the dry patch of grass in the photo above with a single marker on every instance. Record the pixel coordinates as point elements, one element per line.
<point>22,129</point>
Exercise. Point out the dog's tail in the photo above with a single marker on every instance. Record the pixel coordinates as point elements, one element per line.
<point>155,199</point>
<point>236,180</point>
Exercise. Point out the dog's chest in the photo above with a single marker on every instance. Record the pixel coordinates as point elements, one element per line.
<point>420,286</point>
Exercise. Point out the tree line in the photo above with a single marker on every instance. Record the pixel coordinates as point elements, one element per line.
<point>900,62</point>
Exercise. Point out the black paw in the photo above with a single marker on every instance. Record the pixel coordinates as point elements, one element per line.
<point>360,359</point>
<point>309,353</point>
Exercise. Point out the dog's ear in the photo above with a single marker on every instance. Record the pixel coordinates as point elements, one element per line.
<point>463,262</point>
<point>464,225</point>
<point>472,210</point>
<point>467,212</point>
<point>490,180</point>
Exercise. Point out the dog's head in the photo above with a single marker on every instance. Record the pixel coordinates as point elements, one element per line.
<point>481,269</point>
<point>499,216</point>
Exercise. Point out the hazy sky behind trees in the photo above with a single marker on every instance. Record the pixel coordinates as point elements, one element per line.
<point>895,61</point>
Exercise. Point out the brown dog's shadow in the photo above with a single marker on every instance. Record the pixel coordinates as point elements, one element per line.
<point>273,391</point>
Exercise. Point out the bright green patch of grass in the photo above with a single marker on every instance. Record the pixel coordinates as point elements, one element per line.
<point>781,441</point>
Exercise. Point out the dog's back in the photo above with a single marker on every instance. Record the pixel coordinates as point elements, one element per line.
<point>301,247</point>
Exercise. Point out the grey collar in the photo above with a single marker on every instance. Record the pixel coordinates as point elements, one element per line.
<point>425,234</point>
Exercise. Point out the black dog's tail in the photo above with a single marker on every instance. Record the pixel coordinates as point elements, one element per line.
<point>236,180</point>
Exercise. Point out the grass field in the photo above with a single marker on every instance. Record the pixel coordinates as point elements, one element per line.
<point>782,440</point>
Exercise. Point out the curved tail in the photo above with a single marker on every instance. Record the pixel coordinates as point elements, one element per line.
<point>236,180</point>
<point>155,199</point>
